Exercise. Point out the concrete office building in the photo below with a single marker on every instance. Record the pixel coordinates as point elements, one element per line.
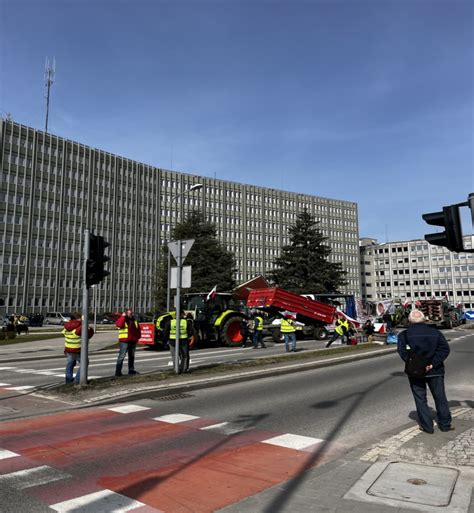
<point>416,270</point>
<point>53,188</point>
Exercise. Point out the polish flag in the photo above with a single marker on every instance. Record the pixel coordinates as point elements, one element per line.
<point>212,294</point>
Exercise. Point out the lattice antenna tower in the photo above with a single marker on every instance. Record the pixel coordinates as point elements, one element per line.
<point>49,73</point>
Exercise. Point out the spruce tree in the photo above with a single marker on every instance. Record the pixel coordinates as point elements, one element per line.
<point>303,266</point>
<point>211,263</point>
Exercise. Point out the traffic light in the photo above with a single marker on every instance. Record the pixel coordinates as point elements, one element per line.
<point>97,258</point>
<point>448,218</point>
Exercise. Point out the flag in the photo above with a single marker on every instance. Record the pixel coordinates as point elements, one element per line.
<point>212,294</point>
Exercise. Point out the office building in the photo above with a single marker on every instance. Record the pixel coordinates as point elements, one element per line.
<point>53,188</point>
<point>411,270</point>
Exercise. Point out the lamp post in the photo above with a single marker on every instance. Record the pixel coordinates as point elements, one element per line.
<point>179,196</point>
<point>193,188</point>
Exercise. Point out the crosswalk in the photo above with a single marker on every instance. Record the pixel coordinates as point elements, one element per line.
<point>129,457</point>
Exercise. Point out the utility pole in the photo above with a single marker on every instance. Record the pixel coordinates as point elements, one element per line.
<point>49,73</point>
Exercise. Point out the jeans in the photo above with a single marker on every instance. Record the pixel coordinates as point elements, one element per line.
<point>71,359</point>
<point>183,358</point>
<point>258,338</point>
<point>436,386</point>
<point>124,348</point>
<point>334,337</point>
<point>290,340</point>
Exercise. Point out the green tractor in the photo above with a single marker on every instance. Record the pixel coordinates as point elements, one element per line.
<point>217,321</point>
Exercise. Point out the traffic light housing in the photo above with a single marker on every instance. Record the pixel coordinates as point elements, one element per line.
<point>448,218</point>
<point>97,259</point>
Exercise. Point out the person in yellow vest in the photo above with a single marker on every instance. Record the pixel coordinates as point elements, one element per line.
<point>258,332</point>
<point>128,335</point>
<point>288,329</point>
<point>185,332</point>
<point>341,330</point>
<point>72,346</point>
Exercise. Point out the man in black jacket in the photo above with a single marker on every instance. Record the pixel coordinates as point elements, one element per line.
<point>431,344</point>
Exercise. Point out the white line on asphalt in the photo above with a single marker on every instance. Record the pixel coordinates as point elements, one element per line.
<point>297,442</point>
<point>5,453</point>
<point>128,408</point>
<point>23,387</point>
<point>104,501</point>
<point>30,477</point>
<point>215,426</point>
<point>175,418</point>
<point>5,384</point>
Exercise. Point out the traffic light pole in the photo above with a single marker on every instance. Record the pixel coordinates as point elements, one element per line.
<point>85,314</point>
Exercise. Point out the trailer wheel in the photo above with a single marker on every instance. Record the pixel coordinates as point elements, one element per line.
<point>277,336</point>
<point>231,332</point>
<point>321,333</point>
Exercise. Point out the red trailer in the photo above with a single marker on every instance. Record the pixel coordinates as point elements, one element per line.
<point>313,314</point>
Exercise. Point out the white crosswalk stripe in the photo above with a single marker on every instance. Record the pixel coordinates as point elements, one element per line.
<point>5,454</point>
<point>30,477</point>
<point>128,408</point>
<point>293,441</point>
<point>104,501</point>
<point>175,418</point>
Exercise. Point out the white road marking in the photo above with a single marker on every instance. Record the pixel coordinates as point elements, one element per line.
<point>30,477</point>
<point>175,418</point>
<point>297,442</point>
<point>5,384</point>
<point>128,408</point>
<point>104,501</point>
<point>23,387</point>
<point>4,454</point>
<point>215,426</point>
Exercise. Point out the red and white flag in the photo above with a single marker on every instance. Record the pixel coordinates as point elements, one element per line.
<point>212,294</point>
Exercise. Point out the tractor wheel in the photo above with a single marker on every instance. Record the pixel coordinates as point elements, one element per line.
<point>231,332</point>
<point>277,336</point>
<point>321,333</point>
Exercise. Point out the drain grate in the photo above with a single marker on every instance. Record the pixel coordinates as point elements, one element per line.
<point>173,397</point>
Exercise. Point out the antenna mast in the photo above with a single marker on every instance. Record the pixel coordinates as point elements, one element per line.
<point>49,72</point>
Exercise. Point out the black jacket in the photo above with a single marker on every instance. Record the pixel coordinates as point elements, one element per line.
<point>425,341</point>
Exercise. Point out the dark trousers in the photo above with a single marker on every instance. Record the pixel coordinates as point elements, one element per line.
<point>436,386</point>
<point>183,358</point>
<point>334,337</point>
<point>258,338</point>
<point>124,348</point>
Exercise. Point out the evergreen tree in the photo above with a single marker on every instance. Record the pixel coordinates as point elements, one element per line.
<point>303,266</point>
<point>211,263</point>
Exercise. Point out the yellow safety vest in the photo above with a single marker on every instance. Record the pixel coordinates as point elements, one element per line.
<point>183,329</point>
<point>123,333</point>
<point>259,325</point>
<point>71,339</point>
<point>340,325</point>
<point>287,326</point>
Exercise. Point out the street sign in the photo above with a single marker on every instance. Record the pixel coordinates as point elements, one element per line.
<point>469,315</point>
<point>185,277</point>
<point>186,246</point>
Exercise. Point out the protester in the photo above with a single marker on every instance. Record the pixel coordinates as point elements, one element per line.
<point>128,336</point>
<point>341,330</point>
<point>245,330</point>
<point>72,346</point>
<point>369,330</point>
<point>258,332</point>
<point>288,330</point>
<point>431,349</point>
<point>185,332</point>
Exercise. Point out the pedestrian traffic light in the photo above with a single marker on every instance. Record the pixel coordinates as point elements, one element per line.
<point>97,258</point>
<point>449,218</point>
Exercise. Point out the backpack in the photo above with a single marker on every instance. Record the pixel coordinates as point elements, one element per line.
<point>415,365</point>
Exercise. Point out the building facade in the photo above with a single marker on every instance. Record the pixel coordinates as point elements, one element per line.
<point>411,270</point>
<point>52,189</point>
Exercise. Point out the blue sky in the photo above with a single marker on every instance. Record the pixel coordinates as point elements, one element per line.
<point>367,101</point>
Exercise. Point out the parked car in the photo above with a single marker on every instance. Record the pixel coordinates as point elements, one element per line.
<point>57,318</point>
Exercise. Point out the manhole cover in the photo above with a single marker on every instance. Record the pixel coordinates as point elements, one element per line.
<point>401,481</point>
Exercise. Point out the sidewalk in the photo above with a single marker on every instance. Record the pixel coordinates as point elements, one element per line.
<point>410,471</point>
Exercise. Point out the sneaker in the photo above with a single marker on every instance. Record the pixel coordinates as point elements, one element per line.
<point>425,430</point>
<point>133,372</point>
<point>118,374</point>
<point>449,428</point>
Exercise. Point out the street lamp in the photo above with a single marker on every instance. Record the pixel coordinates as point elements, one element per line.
<point>195,187</point>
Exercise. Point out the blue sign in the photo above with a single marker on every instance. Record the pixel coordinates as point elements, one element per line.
<point>469,315</point>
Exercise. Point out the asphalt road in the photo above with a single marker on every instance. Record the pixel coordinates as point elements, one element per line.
<point>350,404</point>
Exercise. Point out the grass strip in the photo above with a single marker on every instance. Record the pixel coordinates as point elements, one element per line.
<point>19,339</point>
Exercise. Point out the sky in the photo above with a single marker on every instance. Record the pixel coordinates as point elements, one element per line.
<point>370,101</point>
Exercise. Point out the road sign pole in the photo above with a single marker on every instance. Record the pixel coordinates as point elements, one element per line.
<point>178,308</point>
<point>85,315</point>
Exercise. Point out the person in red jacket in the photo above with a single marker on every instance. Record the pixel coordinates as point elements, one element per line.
<point>72,346</point>
<point>128,335</point>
